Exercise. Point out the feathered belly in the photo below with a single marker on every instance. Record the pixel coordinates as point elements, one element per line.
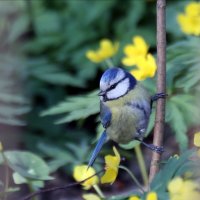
<point>123,127</point>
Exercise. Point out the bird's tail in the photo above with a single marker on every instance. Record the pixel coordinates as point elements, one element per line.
<point>97,149</point>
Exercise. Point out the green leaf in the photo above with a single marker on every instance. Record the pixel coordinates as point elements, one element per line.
<point>75,107</point>
<point>172,11</point>
<point>10,98</point>
<point>59,156</point>
<point>47,23</point>
<point>53,74</point>
<point>18,179</point>
<point>175,118</point>
<point>191,78</point>
<point>13,102</point>
<point>169,170</point>
<point>183,65</point>
<point>28,165</point>
<point>19,26</point>
<point>12,121</point>
<point>187,105</point>
<point>151,123</point>
<point>80,114</point>
<point>134,13</point>
<point>130,145</point>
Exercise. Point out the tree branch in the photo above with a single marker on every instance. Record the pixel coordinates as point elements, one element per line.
<point>161,86</point>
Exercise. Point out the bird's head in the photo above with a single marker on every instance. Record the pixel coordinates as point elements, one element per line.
<point>115,83</point>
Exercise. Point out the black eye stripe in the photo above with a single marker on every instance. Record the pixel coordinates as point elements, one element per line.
<point>115,84</point>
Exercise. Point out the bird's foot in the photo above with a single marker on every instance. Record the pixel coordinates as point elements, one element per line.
<point>157,96</point>
<point>152,147</point>
<point>155,148</point>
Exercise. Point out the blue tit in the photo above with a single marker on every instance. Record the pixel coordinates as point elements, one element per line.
<point>125,108</point>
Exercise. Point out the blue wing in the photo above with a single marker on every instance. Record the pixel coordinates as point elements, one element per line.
<point>97,149</point>
<point>105,115</point>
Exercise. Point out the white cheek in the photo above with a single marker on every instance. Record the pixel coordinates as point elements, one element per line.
<point>120,90</point>
<point>101,98</point>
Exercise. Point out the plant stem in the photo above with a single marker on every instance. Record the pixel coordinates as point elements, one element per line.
<point>98,190</point>
<point>141,162</point>
<point>109,63</point>
<point>30,185</point>
<point>6,176</point>
<point>133,177</point>
<point>161,86</point>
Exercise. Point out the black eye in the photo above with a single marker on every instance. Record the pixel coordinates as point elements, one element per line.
<point>112,86</point>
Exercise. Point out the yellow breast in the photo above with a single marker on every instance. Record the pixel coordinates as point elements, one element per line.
<point>124,120</point>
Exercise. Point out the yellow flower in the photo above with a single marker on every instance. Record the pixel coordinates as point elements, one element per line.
<point>180,189</point>
<point>197,139</point>
<point>1,146</point>
<point>193,9</point>
<point>151,196</point>
<point>137,54</point>
<point>112,164</point>
<point>134,51</point>
<point>134,198</point>
<point>175,185</point>
<point>198,153</point>
<point>190,20</point>
<point>82,172</point>
<point>91,196</point>
<point>146,67</point>
<point>107,50</point>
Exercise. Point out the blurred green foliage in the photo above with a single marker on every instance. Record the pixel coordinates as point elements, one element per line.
<point>13,103</point>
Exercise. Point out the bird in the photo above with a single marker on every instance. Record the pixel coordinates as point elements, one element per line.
<point>125,108</point>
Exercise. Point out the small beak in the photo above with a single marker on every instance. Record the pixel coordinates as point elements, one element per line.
<point>101,93</point>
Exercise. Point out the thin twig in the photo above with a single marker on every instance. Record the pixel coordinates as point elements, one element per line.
<point>133,177</point>
<point>58,187</point>
<point>161,85</point>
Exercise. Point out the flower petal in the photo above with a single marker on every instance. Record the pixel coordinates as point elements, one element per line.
<point>134,52</point>
<point>94,56</point>
<point>152,196</point>
<point>112,165</point>
<point>116,153</point>
<point>109,176</point>
<point>140,44</point>
<point>107,48</point>
<point>190,20</point>
<point>91,196</point>
<point>193,9</point>
<point>81,172</point>
<point>134,198</point>
<point>129,61</point>
<point>175,185</point>
<point>138,74</point>
<point>130,50</point>
<point>111,161</point>
<point>197,139</point>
